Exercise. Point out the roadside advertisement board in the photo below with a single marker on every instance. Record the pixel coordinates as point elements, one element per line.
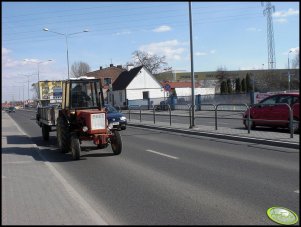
<point>260,96</point>
<point>50,90</point>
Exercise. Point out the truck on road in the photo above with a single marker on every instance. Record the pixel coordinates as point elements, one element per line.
<point>80,117</point>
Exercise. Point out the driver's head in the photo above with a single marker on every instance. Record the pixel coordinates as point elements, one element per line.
<point>77,88</point>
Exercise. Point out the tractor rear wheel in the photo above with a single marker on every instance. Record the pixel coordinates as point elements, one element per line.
<point>75,147</point>
<point>116,143</point>
<point>63,135</point>
<point>45,132</point>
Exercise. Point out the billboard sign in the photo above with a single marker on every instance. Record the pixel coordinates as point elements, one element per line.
<point>50,90</point>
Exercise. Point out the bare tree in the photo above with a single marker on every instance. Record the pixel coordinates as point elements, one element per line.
<point>295,62</point>
<point>79,69</point>
<point>35,90</point>
<point>153,63</point>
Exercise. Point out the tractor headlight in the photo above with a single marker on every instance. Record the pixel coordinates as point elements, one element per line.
<point>85,128</point>
<point>123,118</point>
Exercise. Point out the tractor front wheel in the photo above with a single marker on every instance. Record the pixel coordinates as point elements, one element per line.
<point>45,132</point>
<point>116,143</point>
<point>63,135</point>
<point>75,147</point>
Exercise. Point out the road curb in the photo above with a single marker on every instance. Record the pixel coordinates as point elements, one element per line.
<point>222,136</point>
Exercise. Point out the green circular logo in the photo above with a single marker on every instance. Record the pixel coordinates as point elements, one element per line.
<point>282,215</point>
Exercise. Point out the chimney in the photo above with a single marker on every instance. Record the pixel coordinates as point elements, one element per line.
<point>129,67</point>
<point>100,68</point>
<point>111,65</point>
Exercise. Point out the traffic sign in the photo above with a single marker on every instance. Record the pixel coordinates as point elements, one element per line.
<point>167,87</point>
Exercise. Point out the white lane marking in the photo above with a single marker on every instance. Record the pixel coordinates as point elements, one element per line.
<point>220,123</point>
<point>73,193</point>
<point>166,155</point>
<point>17,162</point>
<point>297,191</point>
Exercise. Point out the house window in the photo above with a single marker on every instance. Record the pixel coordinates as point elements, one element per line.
<point>145,94</point>
<point>107,81</point>
<point>120,96</point>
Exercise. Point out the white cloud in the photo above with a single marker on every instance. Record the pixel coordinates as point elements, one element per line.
<point>252,29</point>
<point>200,53</point>
<point>172,49</point>
<point>163,28</point>
<point>289,12</point>
<point>126,32</point>
<point>294,51</point>
<point>205,53</point>
<point>5,51</point>
<point>7,62</point>
<point>281,20</point>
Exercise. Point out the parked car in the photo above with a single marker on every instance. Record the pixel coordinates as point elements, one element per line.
<point>117,119</point>
<point>11,109</point>
<point>267,110</point>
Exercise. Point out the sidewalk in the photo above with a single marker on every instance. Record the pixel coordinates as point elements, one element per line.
<point>260,137</point>
<point>33,191</point>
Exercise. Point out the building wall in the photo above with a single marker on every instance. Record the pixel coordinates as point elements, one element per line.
<point>213,75</point>
<point>264,80</point>
<point>143,82</point>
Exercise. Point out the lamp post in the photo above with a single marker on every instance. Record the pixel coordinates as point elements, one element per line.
<point>288,71</point>
<point>66,37</point>
<point>38,64</point>
<point>23,93</point>
<point>192,72</point>
<point>27,75</point>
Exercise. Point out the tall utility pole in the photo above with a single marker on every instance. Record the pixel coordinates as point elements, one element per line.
<point>270,34</point>
<point>27,75</point>
<point>192,72</point>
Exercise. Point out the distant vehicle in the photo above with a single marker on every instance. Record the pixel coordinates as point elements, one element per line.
<point>269,111</point>
<point>11,109</point>
<point>117,119</point>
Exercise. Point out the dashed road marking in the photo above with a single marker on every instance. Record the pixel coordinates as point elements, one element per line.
<point>297,191</point>
<point>169,156</point>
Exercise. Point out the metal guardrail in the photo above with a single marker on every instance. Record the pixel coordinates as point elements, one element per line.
<point>246,107</point>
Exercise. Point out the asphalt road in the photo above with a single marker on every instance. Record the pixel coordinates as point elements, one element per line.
<point>175,179</point>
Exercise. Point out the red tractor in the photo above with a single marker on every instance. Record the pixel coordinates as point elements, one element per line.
<point>84,117</point>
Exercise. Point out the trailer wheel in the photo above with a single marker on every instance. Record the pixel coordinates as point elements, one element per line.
<point>116,143</point>
<point>63,135</point>
<point>75,147</point>
<point>45,132</point>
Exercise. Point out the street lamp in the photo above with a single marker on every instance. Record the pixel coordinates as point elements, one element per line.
<point>66,37</point>
<point>288,71</point>
<point>38,64</point>
<point>27,75</point>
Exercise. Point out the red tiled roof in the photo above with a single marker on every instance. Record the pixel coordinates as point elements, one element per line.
<point>180,84</point>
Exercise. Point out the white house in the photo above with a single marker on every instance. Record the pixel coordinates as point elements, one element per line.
<point>135,84</point>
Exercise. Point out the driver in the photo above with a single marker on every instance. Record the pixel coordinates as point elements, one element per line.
<point>79,97</point>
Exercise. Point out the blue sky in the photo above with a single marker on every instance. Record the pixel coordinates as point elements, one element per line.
<point>231,35</point>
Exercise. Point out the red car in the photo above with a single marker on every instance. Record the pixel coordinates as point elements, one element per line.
<point>271,110</point>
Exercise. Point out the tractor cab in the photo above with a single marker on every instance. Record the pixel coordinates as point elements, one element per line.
<point>82,93</point>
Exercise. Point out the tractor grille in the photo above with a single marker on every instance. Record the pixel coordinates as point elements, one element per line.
<point>98,121</point>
